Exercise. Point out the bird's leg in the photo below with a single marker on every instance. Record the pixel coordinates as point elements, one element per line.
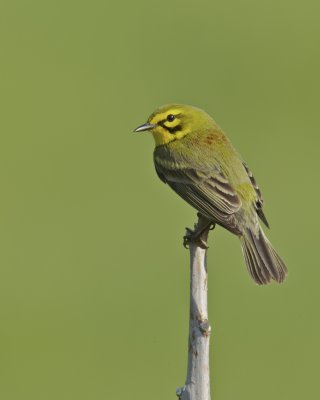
<point>204,224</point>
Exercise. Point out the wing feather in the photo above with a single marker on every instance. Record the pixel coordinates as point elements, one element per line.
<point>206,188</point>
<point>259,202</point>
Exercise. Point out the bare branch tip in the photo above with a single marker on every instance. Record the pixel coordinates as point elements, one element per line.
<point>180,390</point>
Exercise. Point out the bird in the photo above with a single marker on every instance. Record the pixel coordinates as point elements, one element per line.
<point>195,158</point>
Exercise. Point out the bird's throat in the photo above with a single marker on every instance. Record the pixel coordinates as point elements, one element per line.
<point>162,136</point>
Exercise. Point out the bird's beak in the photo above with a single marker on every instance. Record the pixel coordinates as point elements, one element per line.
<point>145,127</point>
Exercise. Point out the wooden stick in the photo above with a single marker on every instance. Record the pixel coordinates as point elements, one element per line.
<point>197,386</point>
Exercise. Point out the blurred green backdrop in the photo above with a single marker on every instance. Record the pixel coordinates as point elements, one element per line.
<point>94,279</point>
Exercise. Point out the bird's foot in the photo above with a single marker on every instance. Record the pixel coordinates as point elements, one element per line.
<point>199,234</point>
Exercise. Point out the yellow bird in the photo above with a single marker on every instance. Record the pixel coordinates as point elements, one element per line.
<point>196,159</point>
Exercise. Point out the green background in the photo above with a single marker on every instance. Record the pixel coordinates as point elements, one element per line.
<point>93,276</point>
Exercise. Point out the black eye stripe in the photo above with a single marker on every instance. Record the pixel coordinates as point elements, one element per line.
<point>174,129</point>
<point>166,119</point>
<point>171,129</point>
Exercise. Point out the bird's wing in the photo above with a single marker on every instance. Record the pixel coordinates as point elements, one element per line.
<point>259,202</point>
<point>204,187</point>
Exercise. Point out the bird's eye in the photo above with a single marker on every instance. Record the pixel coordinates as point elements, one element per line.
<point>170,117</point>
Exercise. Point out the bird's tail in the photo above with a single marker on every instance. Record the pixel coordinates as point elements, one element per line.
<point>262,260</point>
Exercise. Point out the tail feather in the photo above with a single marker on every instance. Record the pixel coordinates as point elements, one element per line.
<point>256,266</point>
<point>263,262</point>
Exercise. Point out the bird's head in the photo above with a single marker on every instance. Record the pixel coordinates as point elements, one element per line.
<point>174,122</point>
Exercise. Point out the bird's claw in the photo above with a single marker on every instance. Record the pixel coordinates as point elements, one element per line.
<point>187,237</point>
<point>194,236</point>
